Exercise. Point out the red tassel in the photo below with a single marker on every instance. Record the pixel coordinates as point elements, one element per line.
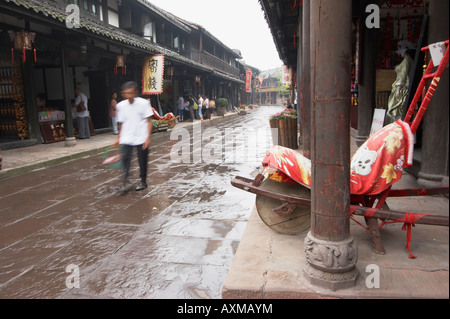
<point>24,55</point>
<point>35,55</point>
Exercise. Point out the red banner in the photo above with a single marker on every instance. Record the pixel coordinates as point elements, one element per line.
<point>286,75</point>
<point>248,81</point>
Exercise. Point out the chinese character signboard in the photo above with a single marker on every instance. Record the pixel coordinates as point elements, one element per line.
<point>53,131</point>
<point>286,75</point>
<point>152,73</point>
<point>248,81</point>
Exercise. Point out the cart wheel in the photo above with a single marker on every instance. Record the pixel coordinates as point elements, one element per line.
<point>297,222</point>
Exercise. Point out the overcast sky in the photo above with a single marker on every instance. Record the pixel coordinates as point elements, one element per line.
<point>239,24</point>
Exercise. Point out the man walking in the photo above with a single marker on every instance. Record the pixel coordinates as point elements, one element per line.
<point>135,128</point>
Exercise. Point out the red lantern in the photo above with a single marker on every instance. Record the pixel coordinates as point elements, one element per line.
<point>120,63</point>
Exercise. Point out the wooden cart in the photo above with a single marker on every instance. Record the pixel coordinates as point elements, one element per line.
<point>283,186</point>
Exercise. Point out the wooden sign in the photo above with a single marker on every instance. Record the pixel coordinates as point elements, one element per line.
<point>152,73</point>
<point>286,75</point>
<point>53,131</point>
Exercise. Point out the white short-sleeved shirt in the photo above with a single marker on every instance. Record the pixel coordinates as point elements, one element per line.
<point>134,117</point>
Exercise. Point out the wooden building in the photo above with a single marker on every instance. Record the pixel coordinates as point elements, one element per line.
<point>64,53</point>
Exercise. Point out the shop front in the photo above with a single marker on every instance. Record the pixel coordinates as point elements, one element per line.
<point>13,122</point>
<point>378,54</point>
<point>42,63</point>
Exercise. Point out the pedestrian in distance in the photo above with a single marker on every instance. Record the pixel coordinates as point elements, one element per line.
<point>180,109</point>
<point>135,128</point>
<point>200,106</point>
<point>186,107</point>
<point>207,110</point>
<point>191,108</point>
<point>113,113</point>
<point>195,107</point>
<point>81,103</point>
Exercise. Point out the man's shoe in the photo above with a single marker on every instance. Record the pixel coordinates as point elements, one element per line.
<point>142,185</point>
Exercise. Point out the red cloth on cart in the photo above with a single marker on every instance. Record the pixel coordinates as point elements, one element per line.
<point>288,165</point>
<point>379,162</point>
<point>166,117</point>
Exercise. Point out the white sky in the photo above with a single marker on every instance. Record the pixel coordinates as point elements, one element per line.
<point>239,24</point>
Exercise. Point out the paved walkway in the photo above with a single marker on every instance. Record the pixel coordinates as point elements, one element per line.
<point>21,160</point>
<point>175,240</point>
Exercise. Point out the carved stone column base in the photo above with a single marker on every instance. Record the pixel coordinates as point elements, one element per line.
<point>330,280</point>
<point>70,141</point>
<point>330,264</point>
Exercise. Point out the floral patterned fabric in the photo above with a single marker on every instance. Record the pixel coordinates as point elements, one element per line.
<point>377,164</point>
<point>286,165</point>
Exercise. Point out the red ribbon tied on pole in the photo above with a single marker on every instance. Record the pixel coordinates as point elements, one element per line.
<point>408,221</point>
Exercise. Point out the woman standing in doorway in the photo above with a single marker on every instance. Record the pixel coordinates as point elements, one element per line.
<point>113,113</point>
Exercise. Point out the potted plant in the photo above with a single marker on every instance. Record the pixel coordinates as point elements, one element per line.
<point>159,125</point>
<point>221,105</point>
<point>286,124</point>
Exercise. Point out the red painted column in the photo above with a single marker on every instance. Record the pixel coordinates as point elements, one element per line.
<point>329,247</point>
<point>305,92</point>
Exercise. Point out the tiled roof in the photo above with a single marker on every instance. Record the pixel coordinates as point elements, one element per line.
<point>55,11</point>
<point>282,19</point>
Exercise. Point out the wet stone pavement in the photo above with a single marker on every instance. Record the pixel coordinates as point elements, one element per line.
<point>65,232</point>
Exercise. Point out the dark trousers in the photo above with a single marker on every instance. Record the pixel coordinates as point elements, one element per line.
<point>127,151</point>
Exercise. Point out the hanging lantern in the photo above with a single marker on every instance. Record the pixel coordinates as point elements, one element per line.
<point>23,40</point>
<point>120,63</point>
